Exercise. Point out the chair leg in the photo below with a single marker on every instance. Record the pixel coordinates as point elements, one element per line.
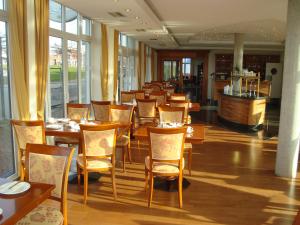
<point>180,190</point>
<point>124,157</point>
<point>190,154</point>
<point>151,190</point>
<point>85,191</point>
<point>146,178</point>
<point>78,174</point>
<point>129,153</point>
<point>113,179</point>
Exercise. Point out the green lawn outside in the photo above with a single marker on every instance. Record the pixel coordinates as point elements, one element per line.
<point>55,73</point>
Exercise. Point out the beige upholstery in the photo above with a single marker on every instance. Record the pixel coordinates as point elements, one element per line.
<point>161,167</point>
<point>147,90</point>
<point>170,116</point>
<point>78,113</point>
<point>166,146</point>
<point>182,104</point>
<point>47,169</point>
<point>29,134</point>
<point>101,112</point>
<point>160,99</point>
<point>99,143</point>
<point>43,215</point>
<point>146,109</point>
<point>140,95</point>
<point>100,163</point>
<point>127,96</point>
<point>120,115</point>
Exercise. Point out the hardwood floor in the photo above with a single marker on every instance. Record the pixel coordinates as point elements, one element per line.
<point>232,183</point>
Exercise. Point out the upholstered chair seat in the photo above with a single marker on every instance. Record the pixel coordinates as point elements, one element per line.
<point>162,167</point>
<point>100,163</point>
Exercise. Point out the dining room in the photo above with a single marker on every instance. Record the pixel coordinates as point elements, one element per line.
<point>149,112</point>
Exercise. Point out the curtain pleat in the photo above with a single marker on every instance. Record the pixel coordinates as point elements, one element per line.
<point>104,62</point>
<point>152,64</point>
<point>18,50</point>
<point>139,67</point>
<point>116,54</point>
<point>145,64</point>
<point>41,52</point>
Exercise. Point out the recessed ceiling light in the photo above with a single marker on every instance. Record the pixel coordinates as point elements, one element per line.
<point>137,17</point>
<point>116,0</point>
<point>127,10</point>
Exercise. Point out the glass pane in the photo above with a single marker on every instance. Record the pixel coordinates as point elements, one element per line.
<point>71,21</point>
<point>85,72</point>
<point>72,72</point>
<point>167,70</point>
<point>123,40</point>
<point>174,69</point>
<point>86,26</point>
<point>55,15</point>
<point>7,167</point>
<point>56,77</point>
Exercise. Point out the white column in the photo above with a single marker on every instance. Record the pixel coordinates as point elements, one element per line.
<point>289,127</point>
<point>96,62</point>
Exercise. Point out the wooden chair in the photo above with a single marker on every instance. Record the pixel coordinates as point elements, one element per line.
<point>98,153</point>
<point>146,111</point>
<point>169,114</point>
<point>160,97</point>
<point>28,132</point>
<point>101,110</point>
<point>187,119</point>
<point>139,94</point>
<point>50,165</point>
<point>147,90</point>
<point>165,157</point>
<point>156,87</point>
<point>123,115</point>
<point>169,90</point>
<point>127,96</point>
<point>75,112</point>
<point>178,96</point>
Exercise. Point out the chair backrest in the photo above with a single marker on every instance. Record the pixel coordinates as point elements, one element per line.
<point>169,114</point>
<point>178,96</point>
<point>169,90</point>
<point>101,110</point>
<point>147,90</point>
<point>166,144</point>
<point>50,164</point>
<point>78,111</point>
<point>127,96</point>
<point>160,97</point>
<point>181,103</point>
<point>155,87</point>
<point>98,140</point>
<point>139,94</point>
<point>147,84</point>
<point>29,132</point>
<point>121,113</point>
<point>146,108</point>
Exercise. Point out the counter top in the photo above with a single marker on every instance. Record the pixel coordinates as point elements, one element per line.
<point>244,96</point>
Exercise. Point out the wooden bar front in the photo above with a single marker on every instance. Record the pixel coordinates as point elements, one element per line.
<point>241,110</point>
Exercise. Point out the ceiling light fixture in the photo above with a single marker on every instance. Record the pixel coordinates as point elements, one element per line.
<point>137,17</point>
<point>116,0</point>
<point>127,10</point>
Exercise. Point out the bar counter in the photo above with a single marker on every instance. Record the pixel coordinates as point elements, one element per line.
<point>246,111</point>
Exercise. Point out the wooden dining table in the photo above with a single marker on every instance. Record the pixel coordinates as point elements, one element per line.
<point>196,137</point>
<point>15,207</point>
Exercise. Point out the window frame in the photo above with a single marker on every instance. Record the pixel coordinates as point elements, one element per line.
<point>65,36</point>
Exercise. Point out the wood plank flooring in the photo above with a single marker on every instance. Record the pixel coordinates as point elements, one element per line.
<point>232,183</point>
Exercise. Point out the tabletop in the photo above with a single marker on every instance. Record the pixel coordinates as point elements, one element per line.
<point>17,206</point>
<point>197,137</point>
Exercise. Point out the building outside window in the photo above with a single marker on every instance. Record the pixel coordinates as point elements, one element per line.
<point>69,59</point>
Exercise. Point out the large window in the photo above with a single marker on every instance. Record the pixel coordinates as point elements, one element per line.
<point>170,69</point>
<point>7,158</point>
<point>186,67</point>
<point>69,59</point>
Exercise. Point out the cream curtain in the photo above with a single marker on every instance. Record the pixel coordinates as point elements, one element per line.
<point>41,52</point>
<point>104,62</point>
<point>152,64</point>
<point>139,66</point>
<point>116,54</point>
<point>18,49</point>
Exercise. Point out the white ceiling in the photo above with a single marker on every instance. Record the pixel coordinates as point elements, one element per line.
<point>192,23</point>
